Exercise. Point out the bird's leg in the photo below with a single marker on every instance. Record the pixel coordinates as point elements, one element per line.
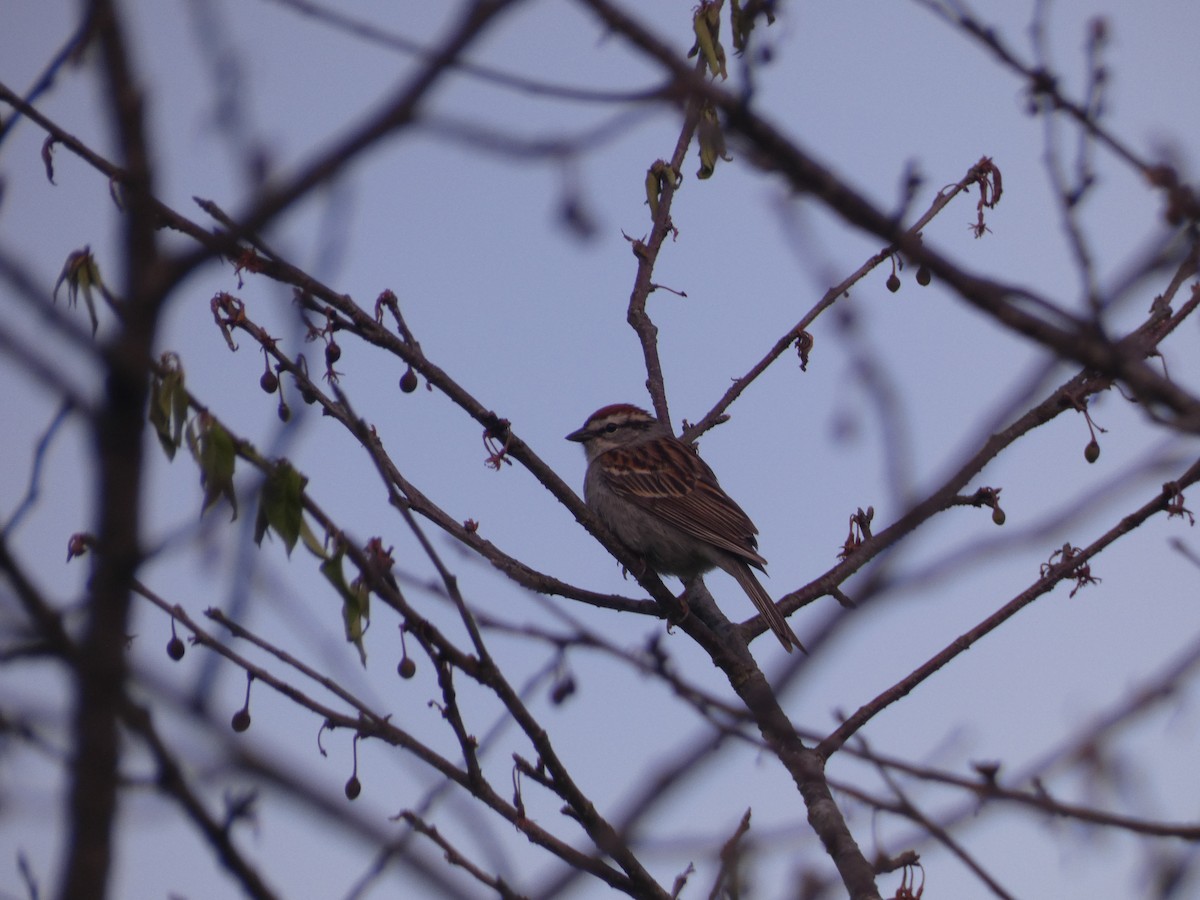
<point>684,609</point>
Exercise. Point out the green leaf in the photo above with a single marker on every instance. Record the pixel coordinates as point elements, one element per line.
<point>707,24</point>
<point>356,602</point>
<point>179,409</point>
<point>653,189</point>
<point>742,22</point>
<point>356,616</point>
<point>315,547</point>
<point>81,273</point>
<point>281,505</point>
<point>169,405</point>
<point>160,417</point>
<point>216,454</point>
<point>712,142</point>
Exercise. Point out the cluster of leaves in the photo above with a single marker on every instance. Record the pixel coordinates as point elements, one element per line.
<point>280,496</point>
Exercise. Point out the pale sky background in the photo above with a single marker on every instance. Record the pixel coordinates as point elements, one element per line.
<point>531,319</point>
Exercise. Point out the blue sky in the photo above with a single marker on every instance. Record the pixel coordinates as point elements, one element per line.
<point>530,318</point>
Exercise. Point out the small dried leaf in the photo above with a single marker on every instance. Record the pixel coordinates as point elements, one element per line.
<point>48,157</point>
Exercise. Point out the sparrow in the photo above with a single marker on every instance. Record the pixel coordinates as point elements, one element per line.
<point>660,499</point>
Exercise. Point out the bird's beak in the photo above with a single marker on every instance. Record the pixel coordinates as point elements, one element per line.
<point>578,436</point>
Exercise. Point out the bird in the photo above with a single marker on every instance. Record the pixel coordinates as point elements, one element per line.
<point>660,499</point>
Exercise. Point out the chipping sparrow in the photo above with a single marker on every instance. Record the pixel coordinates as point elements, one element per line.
<point>661,500</point>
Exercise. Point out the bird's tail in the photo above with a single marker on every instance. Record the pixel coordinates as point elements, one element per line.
<point>766,606</point>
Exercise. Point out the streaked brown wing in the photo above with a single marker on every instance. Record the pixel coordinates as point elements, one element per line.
<point>685,494</point>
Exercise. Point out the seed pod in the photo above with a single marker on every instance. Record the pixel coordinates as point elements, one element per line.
<point>175,648</point>
<point>1092,451</point>
<point>269,382</point>
<point>353,788</point>
<point>408,381</point>
<point>893,282</point>
<point>333,352</point>
<point>241,720</point>
<point>407,668</point>
<point>563,689</point>
<point>924,276</point>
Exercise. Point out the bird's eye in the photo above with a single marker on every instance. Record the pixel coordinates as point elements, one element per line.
<point>610,427</point>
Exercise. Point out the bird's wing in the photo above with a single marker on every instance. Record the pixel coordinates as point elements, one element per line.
<point>685,494</point>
